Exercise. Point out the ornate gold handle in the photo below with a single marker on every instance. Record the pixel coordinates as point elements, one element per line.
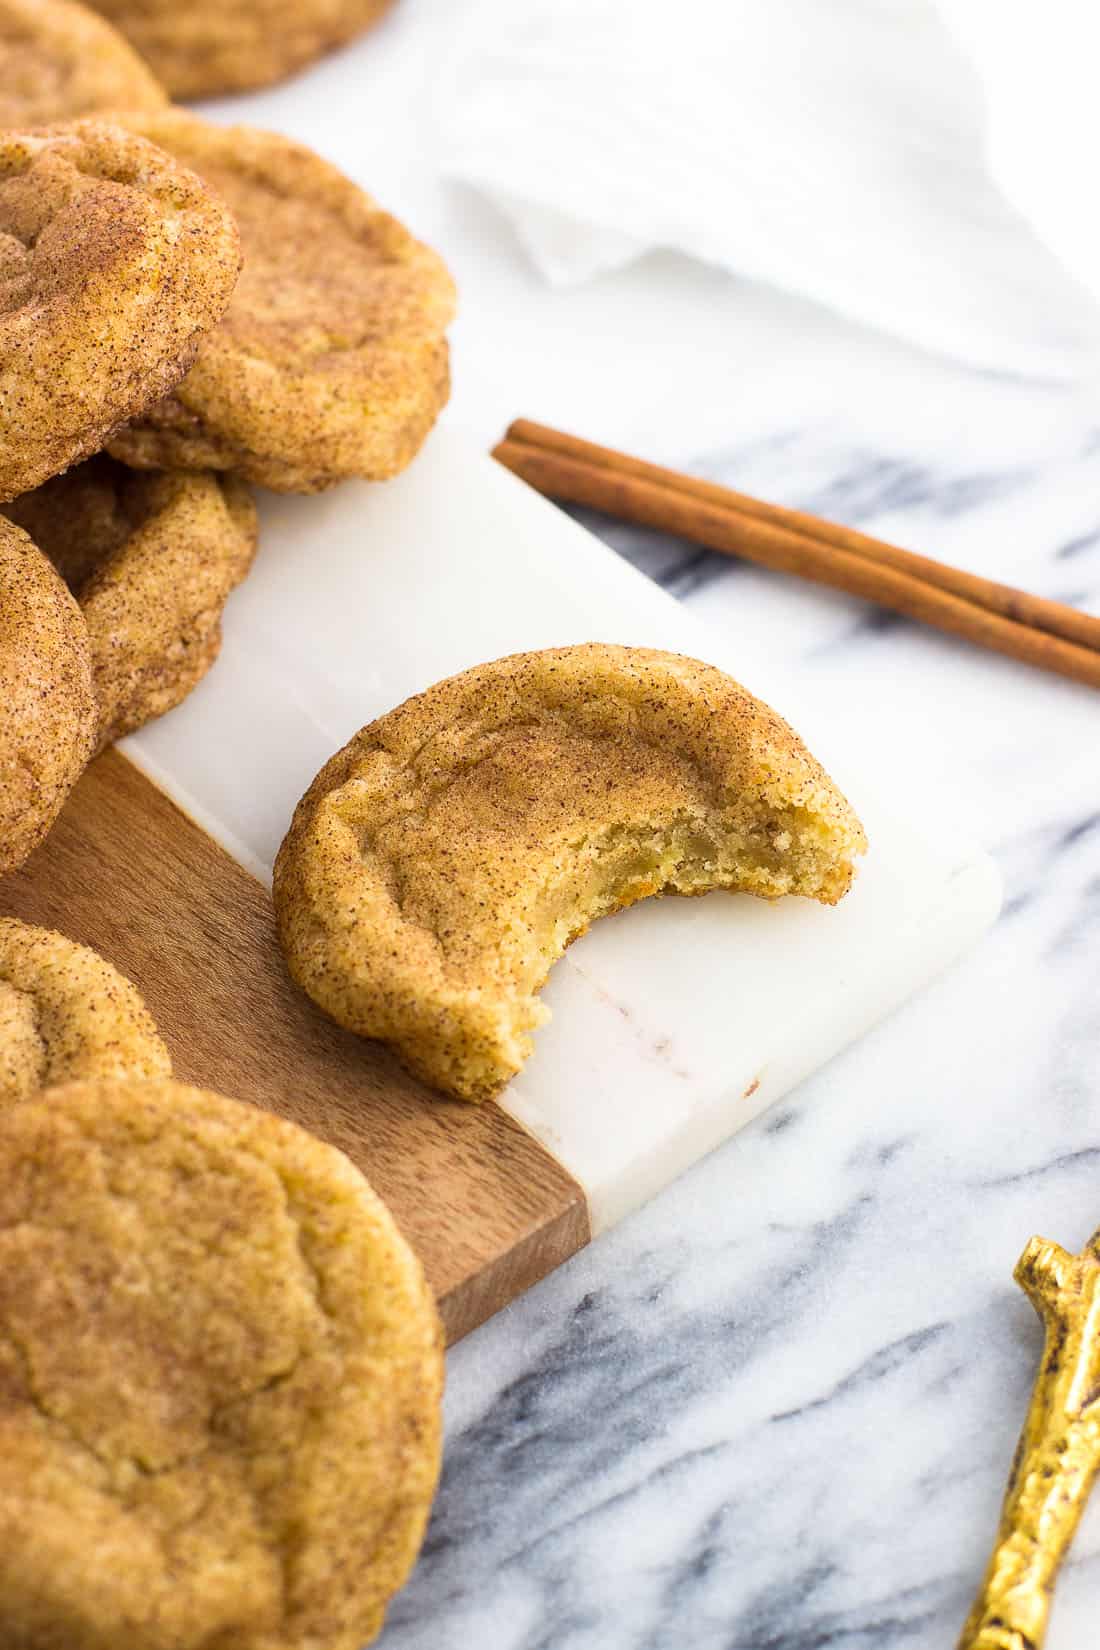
<point>1058,1455</point>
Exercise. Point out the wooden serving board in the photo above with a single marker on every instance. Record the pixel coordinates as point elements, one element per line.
<point>487,1208</point>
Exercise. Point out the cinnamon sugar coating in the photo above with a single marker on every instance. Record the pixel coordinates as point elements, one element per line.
<point>444,859</point>
<point>48,710</point>
<point>59,60</point>
<point>114,262</point>
<point>151,559</point>
<point>202,47</point>
<point>65,1013</point>
<point>331,360</point>
<point>220,1377</point>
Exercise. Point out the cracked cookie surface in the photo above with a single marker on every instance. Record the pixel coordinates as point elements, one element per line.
<point>220,1375</point>
<point>447,856</point>
<point>66,1013</point>
<point>151,557</point>
<point>114,263</point>
<point>209,46</point>
<point>60,60</point>
<point>331,360</point>
<point>48,710</point>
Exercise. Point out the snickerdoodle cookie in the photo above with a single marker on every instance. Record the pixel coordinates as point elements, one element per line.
<point>445,858</point>
<point>199,47</point>
<point>114,262</point>
<point>331,360</point>
<point>151,557</point>
<point>48,711</point>
<point>66,1013</point>
<point>220,1374</point>
<point>59,60</point>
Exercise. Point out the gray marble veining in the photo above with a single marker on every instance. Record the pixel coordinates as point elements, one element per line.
<point>775,1409</point>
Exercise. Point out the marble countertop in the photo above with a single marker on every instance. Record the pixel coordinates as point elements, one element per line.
<point>775,1409</point>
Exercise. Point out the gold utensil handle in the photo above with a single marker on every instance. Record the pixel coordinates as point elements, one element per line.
<point>1058,1455</point>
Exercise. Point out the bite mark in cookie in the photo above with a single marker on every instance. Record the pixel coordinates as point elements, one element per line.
<point>446,857</point>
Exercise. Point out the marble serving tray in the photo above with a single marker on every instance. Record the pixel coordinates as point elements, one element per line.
<point>674,1023</point>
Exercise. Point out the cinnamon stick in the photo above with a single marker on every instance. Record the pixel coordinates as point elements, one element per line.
<point>1030,628</point>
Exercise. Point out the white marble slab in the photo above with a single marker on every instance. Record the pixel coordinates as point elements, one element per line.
<point>675,1023</point>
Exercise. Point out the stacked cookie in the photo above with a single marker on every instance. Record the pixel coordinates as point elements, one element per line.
<point>207,46</point>
<point>208,306</point>
<point>62,60</point>
<point>220,1376</point>
<point>220,1364</point>
<point>66,1014</point>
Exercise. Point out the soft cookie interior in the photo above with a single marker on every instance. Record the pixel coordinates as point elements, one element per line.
<point>549,829</point>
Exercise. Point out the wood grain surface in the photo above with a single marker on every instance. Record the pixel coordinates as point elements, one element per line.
<point>487,1209</point>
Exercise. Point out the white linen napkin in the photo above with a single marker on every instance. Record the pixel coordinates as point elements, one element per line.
<point>839,149</point>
